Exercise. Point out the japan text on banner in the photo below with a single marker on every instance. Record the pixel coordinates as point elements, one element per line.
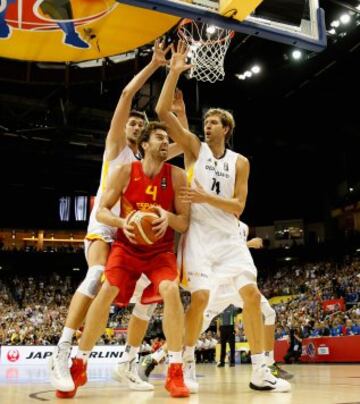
<point>23,355</point>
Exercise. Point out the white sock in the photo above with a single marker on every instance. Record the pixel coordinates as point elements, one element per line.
<point>269,358</point>
<point>158,355</point>
<point>189,354</point>
<point>175,357</point>
<point>67,335</point>
<point>129,353</point>
<point>257,360</point>
<point>83,355</point>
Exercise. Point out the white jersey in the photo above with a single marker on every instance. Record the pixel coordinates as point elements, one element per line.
<point>244,231</point>
<point>212,247</point>
<point>124,157</point>
<point>215,176</point>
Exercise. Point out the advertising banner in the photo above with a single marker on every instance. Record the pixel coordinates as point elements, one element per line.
<point>324,349</point>
<point>23,355</point>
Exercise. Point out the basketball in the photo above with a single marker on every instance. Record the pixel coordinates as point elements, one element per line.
<point>142,222</point>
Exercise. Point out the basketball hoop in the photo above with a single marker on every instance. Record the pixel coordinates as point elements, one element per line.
<point>207,48</point>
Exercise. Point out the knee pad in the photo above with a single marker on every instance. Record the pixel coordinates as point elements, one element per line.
<point>143,311</point>
<point>91,284</point>
<point>268,313</point>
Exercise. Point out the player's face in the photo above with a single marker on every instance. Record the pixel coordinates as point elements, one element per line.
<point>214,130</point>
<point>158,144</point>
<point>133,128</point>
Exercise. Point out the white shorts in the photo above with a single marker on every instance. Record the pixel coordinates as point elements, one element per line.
<point>98,231</point>
<point>223,295</point>
<point>205,254</point>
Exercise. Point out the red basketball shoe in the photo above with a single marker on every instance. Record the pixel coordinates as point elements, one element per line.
<point>175,381</point>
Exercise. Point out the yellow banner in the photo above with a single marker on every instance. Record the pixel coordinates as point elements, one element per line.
<point>239,346</point>
<point>281,299</point>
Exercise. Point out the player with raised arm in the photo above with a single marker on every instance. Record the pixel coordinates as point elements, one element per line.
<point>120,148</point>
<point>211,247</point>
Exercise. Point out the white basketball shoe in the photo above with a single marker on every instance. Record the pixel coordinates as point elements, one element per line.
<point>60,376</point>
<point>262,379</point>
<point>190,376</point>
<point>127,372</point>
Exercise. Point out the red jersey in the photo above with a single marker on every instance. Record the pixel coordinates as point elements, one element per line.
<point>143,193</point>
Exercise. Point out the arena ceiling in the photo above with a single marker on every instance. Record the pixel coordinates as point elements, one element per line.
<point>298,122</point>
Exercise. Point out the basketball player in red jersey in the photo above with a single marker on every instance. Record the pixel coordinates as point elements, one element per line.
<point>120,148</point>
<point>147,183</point>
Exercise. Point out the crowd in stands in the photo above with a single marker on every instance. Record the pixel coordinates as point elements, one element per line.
<point>311,285</point>
<point>33,309</point>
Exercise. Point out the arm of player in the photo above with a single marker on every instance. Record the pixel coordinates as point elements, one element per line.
<point>189,142</point>
<point>235,205</point>
<point>116,139</point>
<point>179,220</point>
<point>117,183</point>
<point>256,243</point>
<point>179,109</point>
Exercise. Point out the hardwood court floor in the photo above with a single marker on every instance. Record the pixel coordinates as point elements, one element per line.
<point>317,384</point>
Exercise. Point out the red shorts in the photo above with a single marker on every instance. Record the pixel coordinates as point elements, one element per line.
<point>124,268</point>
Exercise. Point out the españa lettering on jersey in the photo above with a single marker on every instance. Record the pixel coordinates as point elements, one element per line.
<point>143,193</point>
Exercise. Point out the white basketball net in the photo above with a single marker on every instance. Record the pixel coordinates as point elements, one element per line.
<point>207,48</point>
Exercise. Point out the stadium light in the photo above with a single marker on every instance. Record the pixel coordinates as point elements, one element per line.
<point>211,29</point>
<point>345,18</point>
<point>335,24</point>
<point>255,69</point>
<point>296,54</point>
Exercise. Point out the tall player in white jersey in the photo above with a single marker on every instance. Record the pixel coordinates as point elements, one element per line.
<point>120,148</point>
<point>211,247</point>
<point>224,293</point>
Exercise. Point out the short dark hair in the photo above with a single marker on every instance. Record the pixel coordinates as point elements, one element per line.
<point>146,132</point>
<point>137,114</point>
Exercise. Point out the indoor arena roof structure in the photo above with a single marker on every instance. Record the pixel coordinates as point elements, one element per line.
<point>295,108</point>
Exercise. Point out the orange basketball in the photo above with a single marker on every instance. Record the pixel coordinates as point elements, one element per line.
<point>142,221</point>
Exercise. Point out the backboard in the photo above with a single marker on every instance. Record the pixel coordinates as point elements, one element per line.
<point>306,32</point>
